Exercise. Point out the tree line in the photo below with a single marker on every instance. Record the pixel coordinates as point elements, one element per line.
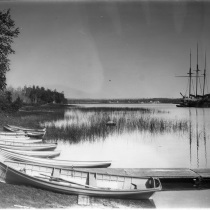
<point>36,95</point>
<point>12,99</point>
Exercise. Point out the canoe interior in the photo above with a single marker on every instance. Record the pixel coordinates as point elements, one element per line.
<point>104,181</point>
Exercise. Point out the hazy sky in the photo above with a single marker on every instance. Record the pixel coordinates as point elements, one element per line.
<point>108,49</point>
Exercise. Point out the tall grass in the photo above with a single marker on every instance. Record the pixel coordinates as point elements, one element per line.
<point>89,123</point>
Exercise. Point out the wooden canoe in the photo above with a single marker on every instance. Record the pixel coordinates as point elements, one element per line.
<point>41,154</point>
<point>111,123</point>
<point>29,147</point>
<point>52,162</point>
<point>34,134</point>
<point>27,129</point>
<point>15,137</point>
<point>7,141</point>
<point>76,182</point>
<point>11,133</point>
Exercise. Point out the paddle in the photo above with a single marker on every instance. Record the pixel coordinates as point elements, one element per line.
<point>64,180</point>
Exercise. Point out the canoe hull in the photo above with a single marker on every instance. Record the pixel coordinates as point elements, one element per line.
<point>13,176</point>
<point>27,129</point>
<point>40,154</point>
<point>29,147</point>
<point>13,134</point>
<point>34,134</point>
<point>5,141</point>
<point>15,137</point>
<point>5,154</point>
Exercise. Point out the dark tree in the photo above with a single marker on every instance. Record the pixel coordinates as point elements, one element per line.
<point>8,32</point>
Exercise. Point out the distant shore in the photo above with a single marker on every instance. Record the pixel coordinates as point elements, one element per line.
<point>125,101</point>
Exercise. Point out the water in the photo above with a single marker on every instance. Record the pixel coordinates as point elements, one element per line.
<point>142,149</point>
<point>139,149</point>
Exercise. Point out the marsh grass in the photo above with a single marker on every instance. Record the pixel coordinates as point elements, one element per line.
<point>80,124</point>
<point>90,123</point>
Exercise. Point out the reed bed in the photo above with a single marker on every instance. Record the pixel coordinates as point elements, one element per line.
<point>91,123</point>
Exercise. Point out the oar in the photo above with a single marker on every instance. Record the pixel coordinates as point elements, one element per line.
<point>64,180</point>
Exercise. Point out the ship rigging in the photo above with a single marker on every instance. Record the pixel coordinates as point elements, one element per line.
<point>195,100</point>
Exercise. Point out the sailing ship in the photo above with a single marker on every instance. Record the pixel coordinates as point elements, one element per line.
<point>195,100</point>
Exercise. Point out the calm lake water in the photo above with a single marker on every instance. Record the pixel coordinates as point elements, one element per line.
<point>188,148</point>
<point>137,149</point>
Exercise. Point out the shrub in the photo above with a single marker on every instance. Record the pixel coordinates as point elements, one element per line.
<point>6,103</point>
<point>17,104</point>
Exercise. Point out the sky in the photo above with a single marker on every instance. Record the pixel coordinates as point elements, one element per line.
<point>108,48</point>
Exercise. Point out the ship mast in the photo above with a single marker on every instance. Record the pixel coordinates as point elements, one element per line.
<point>197,70</point>
<point>204,76</point>
<point>190,75</point>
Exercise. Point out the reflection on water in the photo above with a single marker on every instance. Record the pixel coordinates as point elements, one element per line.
<point>198,137</point>
<point>204,136</point>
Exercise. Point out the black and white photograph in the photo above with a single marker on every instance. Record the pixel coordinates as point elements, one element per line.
<point>104,104</point>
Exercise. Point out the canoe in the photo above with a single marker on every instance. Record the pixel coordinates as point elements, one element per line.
<point>29,147</point>
<point>27,129</point>
<point>17,129</point>
<point>34,134</point>
<point>76,182</point>
<point>15,137</point>
<point>41,154</point>
<point>111,123</point>
<point>4,154</point>
<point>19,133</point>
<point>20,141</point>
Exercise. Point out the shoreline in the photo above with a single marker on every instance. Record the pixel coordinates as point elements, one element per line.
<point>20,196</point>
